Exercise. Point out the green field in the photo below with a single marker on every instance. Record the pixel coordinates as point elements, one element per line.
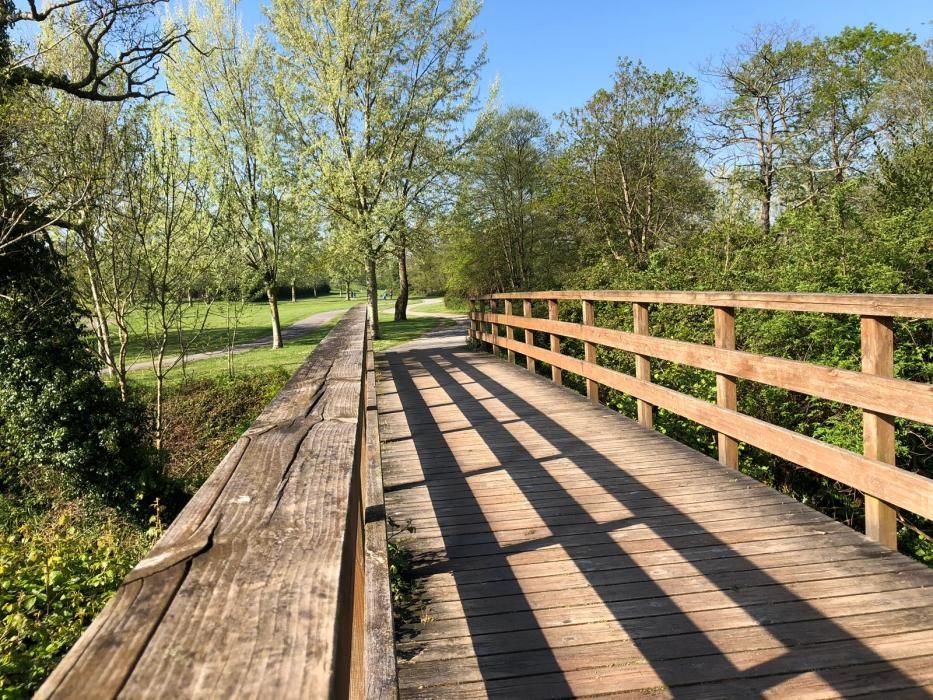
<point>254,323</point>
<point>288,358</point>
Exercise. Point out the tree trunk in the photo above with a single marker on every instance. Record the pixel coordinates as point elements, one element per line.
<point>348,291</point>
<point>190,299</point>
<point>767,188</point>
<point>293,292</point>
<point>373,293</point>
<point>315,291</point>
<point>401,302</point>
<point>101,325</point>
<point>272,295</point>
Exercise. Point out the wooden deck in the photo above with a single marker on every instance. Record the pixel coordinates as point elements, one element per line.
<point>564,550</point>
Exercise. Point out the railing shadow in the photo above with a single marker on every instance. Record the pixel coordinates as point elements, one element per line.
<point>507,635</point>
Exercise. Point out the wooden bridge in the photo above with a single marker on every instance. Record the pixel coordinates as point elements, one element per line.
<point>559,549</point>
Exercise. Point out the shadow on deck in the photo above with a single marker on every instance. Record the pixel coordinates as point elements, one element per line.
<point>564,550</point>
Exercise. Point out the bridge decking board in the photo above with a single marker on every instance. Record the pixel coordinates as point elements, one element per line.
<point>561,549</point>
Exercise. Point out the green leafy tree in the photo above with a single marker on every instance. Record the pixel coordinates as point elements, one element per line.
<point>631,170</point>
<point>361,85</point>
<point>238,140</point>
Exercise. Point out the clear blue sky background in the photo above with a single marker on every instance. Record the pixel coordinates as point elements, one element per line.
<point>554,54</point>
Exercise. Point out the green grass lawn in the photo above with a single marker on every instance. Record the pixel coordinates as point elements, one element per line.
<point>442,307</point>
<point>254,323</point>
<point>288,358</point>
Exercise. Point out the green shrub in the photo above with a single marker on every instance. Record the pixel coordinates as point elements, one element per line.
<point>56,573</point>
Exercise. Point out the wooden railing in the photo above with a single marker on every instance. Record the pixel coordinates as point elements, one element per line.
<point>273,581</point>
<point>875,390</point>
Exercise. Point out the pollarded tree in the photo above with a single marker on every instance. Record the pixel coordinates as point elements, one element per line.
<point>361,82</point>
<point>633,174</point>
<point>223,97</point>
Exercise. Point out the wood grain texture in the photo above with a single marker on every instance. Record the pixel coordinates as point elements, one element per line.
<point>561,550</point>
<point>907,305</point>
<point>527,311</point>
<point>883,394</point>
<point>899,487</point>
<point>642,363</point>
<point>724,331</point>
<point>255,587</point>
<point>553,314</point>
<point>589,350</point>
<point>878,428</point>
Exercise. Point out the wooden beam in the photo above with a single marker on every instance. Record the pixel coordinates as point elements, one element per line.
<point>262,569</point>
<point>589,349</point>
<point>910,400</point>
<point>472,320</point>
<point>899,487</point>
<point>878,428</point>
<point>906,305</point>
<point>529,335</point>
<point>553,315</point>
<point>509,329</point>
<point>724,322</point>
<point>493,326</point>
<point>643,364</point>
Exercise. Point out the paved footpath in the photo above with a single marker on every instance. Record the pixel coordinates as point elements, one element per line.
<point>296,330</point>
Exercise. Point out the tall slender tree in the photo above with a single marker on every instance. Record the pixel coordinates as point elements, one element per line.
<point>362,82</point>
<point>222,95</point>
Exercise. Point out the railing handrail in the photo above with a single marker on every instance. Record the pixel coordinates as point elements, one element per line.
<point>902,305</point>
<point>273,580</point>
<point>874,389</point>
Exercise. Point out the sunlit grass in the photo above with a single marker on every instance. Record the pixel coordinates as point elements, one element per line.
<point>254,323</point>
<point>288,358</point>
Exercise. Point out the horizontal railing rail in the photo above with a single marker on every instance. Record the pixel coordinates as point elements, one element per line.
<point>875,390</point>
<point>273,580</point>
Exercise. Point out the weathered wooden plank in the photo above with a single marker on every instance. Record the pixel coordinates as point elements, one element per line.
<point>256,588</point>
<point>529,336</point>
<point>724,329</point>
<point>878,428</point>
<point>907,305</point>
<point>379,670</point>
<point>884,394</point>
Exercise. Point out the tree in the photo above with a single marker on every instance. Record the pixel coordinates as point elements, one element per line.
<point>171,217</point>
<point>767,87</point>
<point>501,233</point>
<point>362,83</point>
<point>93,50</point>
<point>849,74</point>
<point>633,174</point>
<point>238,140</point>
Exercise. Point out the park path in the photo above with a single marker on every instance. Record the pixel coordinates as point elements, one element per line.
<point>413,309</point>
<point>296,330</point>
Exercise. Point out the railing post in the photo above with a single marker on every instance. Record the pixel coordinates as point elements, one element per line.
<point>509,331</point>
<point>724,324</point>
<point>494,327</point>
<point>555,340</point>
<point>589,349</point>
<point>529,335</point>
<point>878,428</point>
<point>643,364</point>
<point>472,331</point>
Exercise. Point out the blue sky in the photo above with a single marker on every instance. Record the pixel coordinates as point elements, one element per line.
<point>554,54</point>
